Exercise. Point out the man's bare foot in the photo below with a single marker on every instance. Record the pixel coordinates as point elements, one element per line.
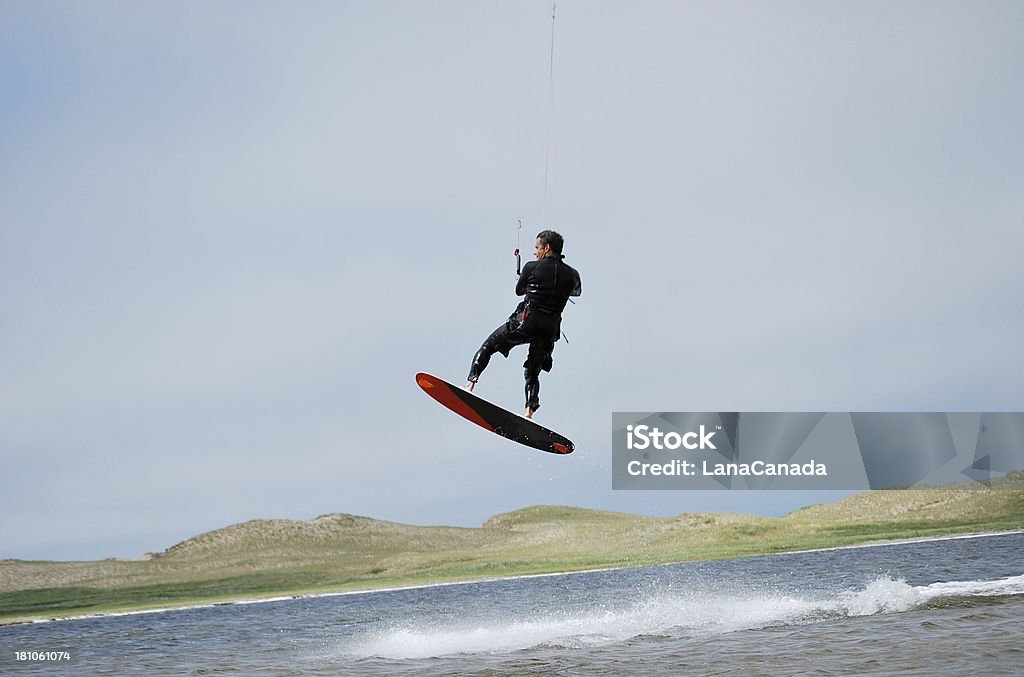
<point>469,386</point>
<point>528,413</point>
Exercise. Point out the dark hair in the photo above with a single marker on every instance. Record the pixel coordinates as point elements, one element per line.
<point>550,237</point>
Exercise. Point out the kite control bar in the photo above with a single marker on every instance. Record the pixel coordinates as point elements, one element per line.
<point>519,230</point>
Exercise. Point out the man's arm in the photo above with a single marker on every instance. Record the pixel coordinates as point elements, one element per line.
<point>578,288</point>
<point>524,278</point>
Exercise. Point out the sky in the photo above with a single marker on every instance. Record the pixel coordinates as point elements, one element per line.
<point>231,233</point>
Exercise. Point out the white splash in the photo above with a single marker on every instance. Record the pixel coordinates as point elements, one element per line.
<point>668,612</point>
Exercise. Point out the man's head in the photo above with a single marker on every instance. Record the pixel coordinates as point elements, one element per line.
<point>548,242</point>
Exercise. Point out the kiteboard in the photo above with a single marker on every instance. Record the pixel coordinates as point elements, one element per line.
<point>492,417</point>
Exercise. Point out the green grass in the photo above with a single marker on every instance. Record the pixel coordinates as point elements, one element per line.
<point>333,553</point>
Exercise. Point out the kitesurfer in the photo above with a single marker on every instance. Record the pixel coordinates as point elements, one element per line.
<point>547,284</point>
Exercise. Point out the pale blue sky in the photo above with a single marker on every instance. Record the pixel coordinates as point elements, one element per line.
<point>231,233</point>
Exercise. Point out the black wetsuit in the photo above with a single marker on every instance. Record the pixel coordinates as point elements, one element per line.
<point>547,284</point>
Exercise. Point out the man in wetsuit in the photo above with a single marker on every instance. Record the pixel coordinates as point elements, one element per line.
<point>547,283</point>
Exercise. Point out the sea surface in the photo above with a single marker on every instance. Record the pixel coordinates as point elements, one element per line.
<point>939,607</point>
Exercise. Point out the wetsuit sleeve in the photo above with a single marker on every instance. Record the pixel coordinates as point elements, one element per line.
<point>524,278</point>
<point>578,288</point>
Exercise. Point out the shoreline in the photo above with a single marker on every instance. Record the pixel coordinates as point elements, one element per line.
<point>492,579</point>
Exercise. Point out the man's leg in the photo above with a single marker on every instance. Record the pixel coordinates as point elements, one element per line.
<point>538,359</point>
<point>532,393</point>
<point>501,341</point>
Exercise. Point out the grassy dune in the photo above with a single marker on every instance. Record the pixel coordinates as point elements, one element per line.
<point>343,552</point>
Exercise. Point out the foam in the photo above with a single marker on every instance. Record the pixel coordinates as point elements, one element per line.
<point>664,613</point>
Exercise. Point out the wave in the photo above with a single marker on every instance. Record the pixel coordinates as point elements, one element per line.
<point>670,613</point>
<point>886,595</point>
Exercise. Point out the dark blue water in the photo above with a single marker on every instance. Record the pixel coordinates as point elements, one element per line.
<point>937,607</point>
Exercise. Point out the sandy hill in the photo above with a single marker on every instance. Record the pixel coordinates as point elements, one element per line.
<point>340,551</point>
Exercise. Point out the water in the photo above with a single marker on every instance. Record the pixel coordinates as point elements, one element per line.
<point>952,606</point>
